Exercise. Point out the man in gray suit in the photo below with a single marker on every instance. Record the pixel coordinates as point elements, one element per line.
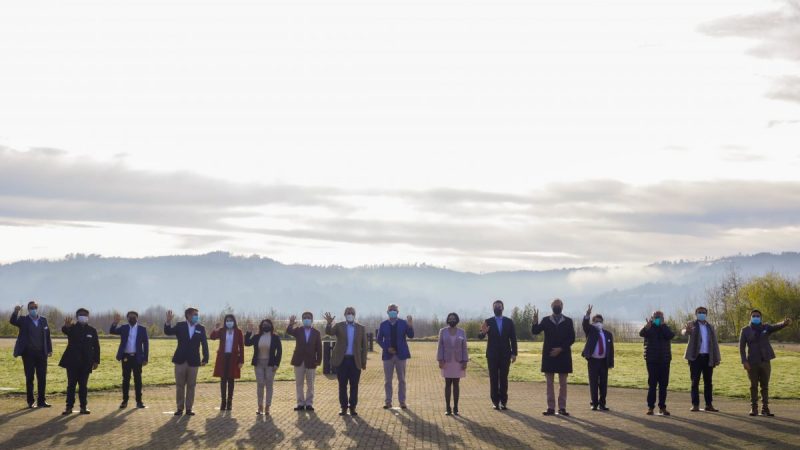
<point>756,353</point>
<point>349,356</point>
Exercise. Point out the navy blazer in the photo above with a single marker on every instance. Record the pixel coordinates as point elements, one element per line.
<point>592,335</point>
<point>26,326</point>
<point>142,342</point>
<point>501,345</point>
<point>385,339</point>
<point>188,350</point>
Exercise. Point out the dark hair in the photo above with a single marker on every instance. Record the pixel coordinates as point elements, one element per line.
<point>756,311</point>
<point>189,310</point>
<point>499,301</point>
<point>269,322</point>
<point>230,316</point>
<point>697,310</point>
<point>132,312</point>
<point>598,316</point>
<point>306,313</point>
<point>33,302</point>
<point>453,314</point>
<point>81,310</point>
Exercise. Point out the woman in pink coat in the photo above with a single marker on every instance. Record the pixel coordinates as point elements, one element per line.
<point>453,357</point>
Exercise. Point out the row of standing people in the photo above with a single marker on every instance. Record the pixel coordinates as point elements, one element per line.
<point>349,358</point>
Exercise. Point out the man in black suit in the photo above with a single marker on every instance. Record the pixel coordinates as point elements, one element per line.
<point>599,353</point>
<point>34,346</point>
<point>191,335</point>
<point>501,351</point>
<point>132,353</point>
<point>559,335</point>
<point>81,357</point>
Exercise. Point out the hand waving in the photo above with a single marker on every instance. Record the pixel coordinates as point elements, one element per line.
<point>329,318</point>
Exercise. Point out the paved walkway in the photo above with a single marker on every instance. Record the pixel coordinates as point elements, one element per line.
<point>423,425</point>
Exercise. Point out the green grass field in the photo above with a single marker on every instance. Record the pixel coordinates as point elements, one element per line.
<point>729,379</point>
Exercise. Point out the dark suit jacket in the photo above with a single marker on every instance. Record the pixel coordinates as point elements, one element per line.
<point>142,342</point>
<point>501,346</point>
<point>275,348</point>
<point>26,329</point>
<point>561,335</point>
<point>83,347</point>
<point>188,350</point>
<point>592,335</point>
<point>308,353</point>
<point>754,346</point>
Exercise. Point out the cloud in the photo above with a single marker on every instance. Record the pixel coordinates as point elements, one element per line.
<point>564,223</point>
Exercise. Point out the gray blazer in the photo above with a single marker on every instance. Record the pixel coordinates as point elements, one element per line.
<point>447,350</point>
<point>693,349</point>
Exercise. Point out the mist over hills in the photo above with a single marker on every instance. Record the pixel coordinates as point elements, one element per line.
<point>216,280</point>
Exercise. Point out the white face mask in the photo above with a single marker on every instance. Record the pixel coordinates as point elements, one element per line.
<point>598,325</point>
<point>350,317</point>
<point>83,319</point>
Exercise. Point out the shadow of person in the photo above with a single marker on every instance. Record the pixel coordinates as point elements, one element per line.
<point>492,436</point>
<point>172,434</point>
<point>424,430</point>
<point>98,427</point>
<point>263,434</point>
<point>672,425</point>
<point>219,429</point>
<point>20,412</point>
<point>53,427</point>
<point>313,429</point>
<point>364,435</point>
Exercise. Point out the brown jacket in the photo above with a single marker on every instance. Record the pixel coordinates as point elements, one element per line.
<point>306,353</point>
<point>359,344</point>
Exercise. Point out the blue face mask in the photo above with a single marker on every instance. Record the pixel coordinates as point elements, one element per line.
<point>33,313</point>
<point>392,314</point>
<point>307,322</point>
<point>701,317</point>
<point>195,319</point>
<point>229,323</point>
<point>755,320</point>
<point>657,321</point>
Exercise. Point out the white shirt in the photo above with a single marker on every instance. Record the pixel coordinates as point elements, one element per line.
<point>191,330</point>
<point>229,341</point>
<point>130,346</point>
<point>703,338</point>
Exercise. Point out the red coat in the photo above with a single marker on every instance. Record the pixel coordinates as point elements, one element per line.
<point>237,353</point>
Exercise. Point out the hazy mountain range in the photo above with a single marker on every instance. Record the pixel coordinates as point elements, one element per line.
<point>214,280</point>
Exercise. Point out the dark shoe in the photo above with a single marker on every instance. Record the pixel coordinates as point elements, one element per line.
<point>649,411</point>
<point>765,412</point>
<point>229,406</point>
<point>189,412</point>
<point>222,406</point>
<point>353,412</point>
<point>663,411</point>
<point>549,412</point>
<point>387,406</point>
<point>448,412</point>
<point>455,411</point>
<point>43,405</point>
<point>343,412</point>
<point>67,412</point>
<point>495,406</point>
<point>503,406</point>
<point>403,406</point>
<point>710,408</point>
<point>178,412</point>
<point>695,408</point>
<point>299,408</point>
<point>754,410</point>
<point>140,405</point>
<point>123,405</point>
<point>85,411</point>
<point>30,405</point>
<point>563,412</point>
<point>309,408</point>
<point>604,408</point>
<point>594,407</point>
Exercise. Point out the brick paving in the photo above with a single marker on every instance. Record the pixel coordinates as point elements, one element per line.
<point>423,425</point>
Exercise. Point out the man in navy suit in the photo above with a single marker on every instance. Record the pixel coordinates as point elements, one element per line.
<point>34,345</point>
<point>133,351</point>
<point>501,351</point>
<point>599,352</point>
<point>191,335</point>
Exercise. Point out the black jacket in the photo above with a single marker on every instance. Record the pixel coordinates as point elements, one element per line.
<point>26,327</point>
<point>592,335</point>
<point>83,347</point>
<point>275,348</point>
<point>657,343</point>
<point>561,335</point>
<point>188,350</point>
<point>501,345</point>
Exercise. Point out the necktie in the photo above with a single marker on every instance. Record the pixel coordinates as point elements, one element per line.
<point>601,345</point>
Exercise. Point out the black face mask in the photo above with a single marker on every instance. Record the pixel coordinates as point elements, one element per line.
<point>452,323</point>
<point>266,328</point>
<point>557,310</point>
<point>131,321</point>
<point>498,311</point>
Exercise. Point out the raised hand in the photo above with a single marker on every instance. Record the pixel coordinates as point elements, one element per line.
<point>17,308</point>
<point>248,326</point>
<point>217,326</point>
<point>589,310</point>
<point>329,317</point>
<point>117,318</point>
<point>535,315</point>
<point>292,320</point>
<point>170,316</point>
<point>410,321</point>
<point>649,323</point>
<point>689,326</point>
<point>484,327</point>
<point>787,321</point>
<point>68,321</point>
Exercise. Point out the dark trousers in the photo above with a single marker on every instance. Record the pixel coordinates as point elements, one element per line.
<point>598,380</point>
<point>346,373</point>
<point>759,374</point>
<point>226,382</point>
<point>131,365</point>
<point>657,377</point>
<point>498,379</point>
<point>697,368</point>
<point>35,363</point>
<point>452,385</point>
<point>77,376</point>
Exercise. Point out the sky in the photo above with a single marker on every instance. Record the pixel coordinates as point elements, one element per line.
<point>477,135</point>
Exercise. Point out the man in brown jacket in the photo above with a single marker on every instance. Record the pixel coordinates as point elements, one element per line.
<point>349,356</point>
<point>756,353</point>
<point>307,356</point>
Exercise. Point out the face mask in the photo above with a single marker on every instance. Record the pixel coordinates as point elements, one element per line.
<point>350,317</point>
<point>307,322</point>
<point>83,319</point>
<point>266,328</point>
<point>755,320</point>
<point>392,314</point>
<point>131,321</point>
<point>33,313</point>
<point>657,321</point>
<point>195,319</point>
<point>557,310</point>
<point>701,317</point>
<point>229,324</point>
<point>452,323</point>
<point>598,325</point>
<point>498,312</point>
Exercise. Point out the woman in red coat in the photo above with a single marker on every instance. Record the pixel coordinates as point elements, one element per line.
<point>230,358</point>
